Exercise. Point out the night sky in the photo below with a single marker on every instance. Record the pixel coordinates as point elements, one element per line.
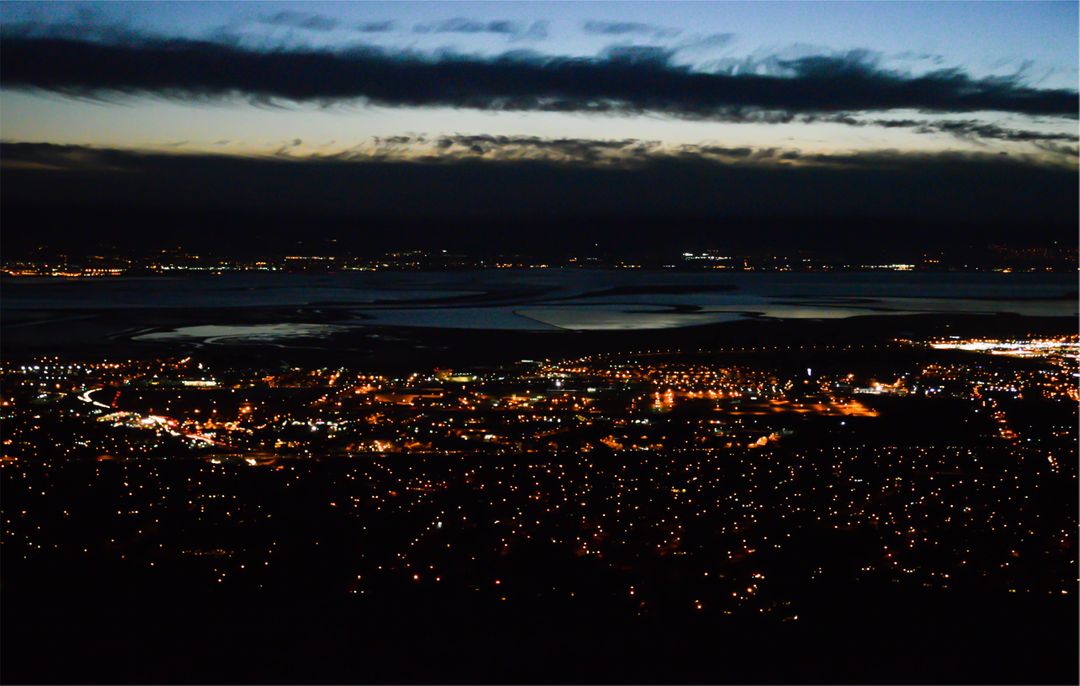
<point>921,112</point>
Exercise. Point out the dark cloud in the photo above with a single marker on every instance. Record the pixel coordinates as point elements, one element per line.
<point>284,148</point>
<point>399,140</point>
<point>1069,151</point>
<point>974,130</point>
<point>624,153</point>
<point>302,20</point>
<point>649,56</point>
<point>968,129</point>
<point>625,80</point>
<point>702,179</point>
<point>537,29</point>
<point>622,28</point>
<point>584,150</point>
<point>631,149</point>
<point>883,205</point>
<point>374,27</point>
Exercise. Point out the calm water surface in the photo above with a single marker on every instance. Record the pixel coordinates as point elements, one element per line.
<point>542,299</point>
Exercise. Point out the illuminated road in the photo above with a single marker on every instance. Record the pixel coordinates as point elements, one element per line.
<point>149,419</point>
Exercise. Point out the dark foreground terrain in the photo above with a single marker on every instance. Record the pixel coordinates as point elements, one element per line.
<point>807,501</point>
<point>546,569</point>
<point>150,632</point>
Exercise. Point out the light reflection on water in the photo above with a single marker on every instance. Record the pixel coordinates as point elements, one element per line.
<point>240,333</point>
<point>599,319</point>
<point>537,300</point>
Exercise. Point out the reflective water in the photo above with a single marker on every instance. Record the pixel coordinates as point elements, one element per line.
<point>542,299</point>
